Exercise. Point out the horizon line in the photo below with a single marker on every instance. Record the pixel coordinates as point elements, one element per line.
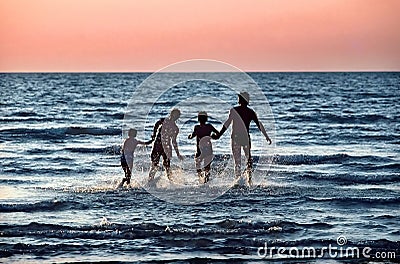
<point>251,71</point>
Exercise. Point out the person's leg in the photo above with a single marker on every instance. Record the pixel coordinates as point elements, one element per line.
<point>155,159</point>
<point>208,157</point>
<point>207,172</point>
<point>167,165</point>
<point>128,175</point>
<point>197,161</point>
<point>236,157</point>
<point>125,177</point>
<point>127,171</point>
<point>249,163</point>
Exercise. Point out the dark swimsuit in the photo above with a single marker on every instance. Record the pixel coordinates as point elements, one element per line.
<point>125,167</point>
<point>124,164</point>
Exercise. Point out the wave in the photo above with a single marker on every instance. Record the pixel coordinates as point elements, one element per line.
<point>47,170</point>
<point>29,119</point>
<point>27,116</point>
<point>391,167</point>
<point>362,201</point>
<point>40,151</point>
<point>92,131</point>
<point>368,162</point>
<point>116,116</point>
<point>111,150</point>
<point>223,237</point>
<point>201,250</point>
<point>24,113</point>
<point>270,227</point>
<point>318,117</point>
<point>107,230</point>
<point>14,181</point>
<point>104,104</point>
<point>56,133</point>
<point>349,178</point>
<point>52,205</point>
<point>298,159</point>
<point>303,159</point>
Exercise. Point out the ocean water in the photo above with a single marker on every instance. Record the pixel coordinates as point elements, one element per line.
<point>330,179</point>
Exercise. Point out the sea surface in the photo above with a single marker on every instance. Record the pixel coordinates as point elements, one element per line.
<point>331,178</point>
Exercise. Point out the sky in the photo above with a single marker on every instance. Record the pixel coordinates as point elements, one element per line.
<point>257,35</point>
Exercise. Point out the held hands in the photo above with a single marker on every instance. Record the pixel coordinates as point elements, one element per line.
<point>215,136</point>
<point>148,142</point>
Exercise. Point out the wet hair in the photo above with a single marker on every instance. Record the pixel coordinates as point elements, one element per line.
<point>175,114</point>
<point>202,117</point>
<point>244,98</point>
<point>132,132</point>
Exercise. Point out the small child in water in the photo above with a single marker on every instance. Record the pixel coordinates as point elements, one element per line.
<point>127,153</point>
<point>204,152</point>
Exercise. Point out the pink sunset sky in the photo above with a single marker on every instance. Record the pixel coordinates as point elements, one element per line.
<point>259,35</point>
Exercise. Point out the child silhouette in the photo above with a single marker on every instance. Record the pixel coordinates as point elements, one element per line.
<point>127,154</point>
<point>204,152</point>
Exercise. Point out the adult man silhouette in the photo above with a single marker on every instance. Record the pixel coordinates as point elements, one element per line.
<point>241,117</point>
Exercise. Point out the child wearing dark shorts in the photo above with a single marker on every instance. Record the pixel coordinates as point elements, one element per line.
<point>127,153</point>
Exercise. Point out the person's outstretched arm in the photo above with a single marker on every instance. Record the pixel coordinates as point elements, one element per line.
<point>215,134</point>
<point>227,123</point>
<point>175,144</point>
<point>193,134</point>
<point>262,129</point>
<point>155,130</point>
<point>148,142</point>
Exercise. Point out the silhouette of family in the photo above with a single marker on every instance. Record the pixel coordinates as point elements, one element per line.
<point>165,133</point>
